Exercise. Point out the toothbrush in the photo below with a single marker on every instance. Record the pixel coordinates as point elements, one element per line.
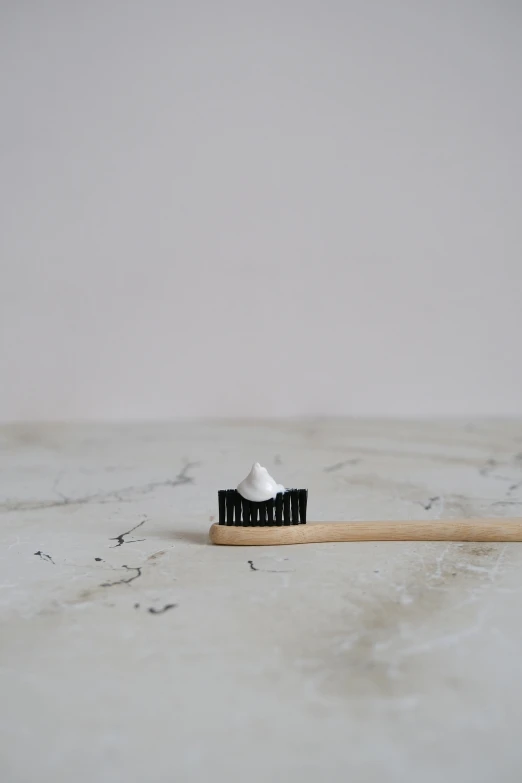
<point>282,520</point>
<point>502,529</point>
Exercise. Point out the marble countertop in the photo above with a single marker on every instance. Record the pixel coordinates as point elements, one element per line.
<point>133,650</point>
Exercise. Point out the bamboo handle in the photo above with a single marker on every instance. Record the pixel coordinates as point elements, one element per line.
<point>412,530</point>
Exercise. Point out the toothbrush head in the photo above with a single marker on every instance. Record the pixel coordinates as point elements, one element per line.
<point>287,508</point>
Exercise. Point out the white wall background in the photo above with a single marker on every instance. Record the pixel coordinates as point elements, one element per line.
<point>260,207</point>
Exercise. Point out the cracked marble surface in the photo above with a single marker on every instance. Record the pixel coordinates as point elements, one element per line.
<point>133,650</point>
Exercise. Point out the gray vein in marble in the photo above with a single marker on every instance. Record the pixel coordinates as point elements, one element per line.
<point>427,506</point>
<point>270,565</point>
<point>124,495</point>
<point>514,487</point>
<point>125,581</point>
<point>339,465</point>
<point>121,538</point>
<point>46,558</point>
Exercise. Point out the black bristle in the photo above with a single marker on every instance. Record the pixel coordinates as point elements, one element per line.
<point>230,506</point>
<point>221,502</point>
<point>253,514</point>
<point>287,508</point>
<point>257,515</point>
<point>237,509</point>
<point>262,513</point>
<point>294,499</point>
<point>303,498</point>
<point>279,509</point>
<point>287,519</point>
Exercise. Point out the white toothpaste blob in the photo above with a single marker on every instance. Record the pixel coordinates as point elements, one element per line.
<point>259,485</point>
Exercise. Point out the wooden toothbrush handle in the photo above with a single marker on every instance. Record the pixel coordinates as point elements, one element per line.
<point>412,530</point>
